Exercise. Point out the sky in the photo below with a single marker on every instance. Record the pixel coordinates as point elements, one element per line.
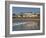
<point>17,10</point>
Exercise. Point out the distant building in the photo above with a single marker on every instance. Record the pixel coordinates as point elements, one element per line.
<point>28,14</point>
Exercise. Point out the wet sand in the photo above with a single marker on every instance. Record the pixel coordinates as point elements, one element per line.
<point>26,24</point>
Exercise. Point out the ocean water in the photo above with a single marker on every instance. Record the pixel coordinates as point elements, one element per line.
<point>19,25</point>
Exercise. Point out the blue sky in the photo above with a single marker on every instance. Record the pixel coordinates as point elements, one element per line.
<point>17,10</point>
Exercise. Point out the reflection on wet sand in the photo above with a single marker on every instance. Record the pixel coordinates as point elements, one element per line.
<point>26,25</point>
